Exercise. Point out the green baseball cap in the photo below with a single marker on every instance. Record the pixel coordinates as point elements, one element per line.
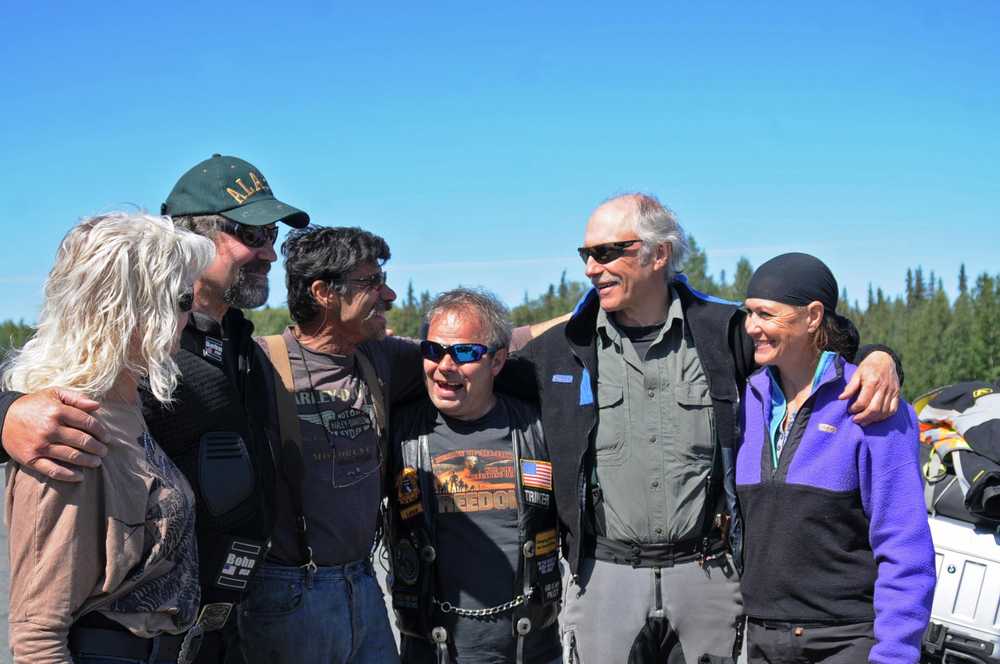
<point>234,189</point>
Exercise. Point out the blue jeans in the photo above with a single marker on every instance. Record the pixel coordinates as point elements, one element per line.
<point>335,615</point>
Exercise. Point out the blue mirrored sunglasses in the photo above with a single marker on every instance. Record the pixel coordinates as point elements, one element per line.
<point>461,353</point>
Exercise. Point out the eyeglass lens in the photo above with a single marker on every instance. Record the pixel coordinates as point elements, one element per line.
<point>461,353</point>
<point>254,236</point>
<point>605,253</point>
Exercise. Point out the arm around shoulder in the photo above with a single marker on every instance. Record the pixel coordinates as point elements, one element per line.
<point>6,399</point>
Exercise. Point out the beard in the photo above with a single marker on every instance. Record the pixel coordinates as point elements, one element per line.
<point>250,289</point>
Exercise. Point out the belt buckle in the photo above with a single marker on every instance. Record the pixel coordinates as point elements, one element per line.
<point>211,618</point>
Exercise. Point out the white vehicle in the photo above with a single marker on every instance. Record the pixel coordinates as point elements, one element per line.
<point>965,625</point>
<point>960,439</point>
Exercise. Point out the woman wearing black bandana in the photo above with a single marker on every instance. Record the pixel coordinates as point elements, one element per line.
<point>839,564</point>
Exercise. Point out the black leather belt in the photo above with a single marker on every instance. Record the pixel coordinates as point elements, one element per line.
<point>805,624</point>
<point>119,643</point>
<point>653,555</point>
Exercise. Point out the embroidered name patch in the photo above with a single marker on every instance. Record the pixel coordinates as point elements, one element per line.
<point>240,562</point>
<point>411,511</point>
<point>545,542</point>
<point>536,474</point>
<point>539,498</point>
<point>829,428</point>
<point>213,349</point>
<point>562,378</point>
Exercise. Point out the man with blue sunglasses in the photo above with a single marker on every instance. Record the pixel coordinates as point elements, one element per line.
<point>473,524</point>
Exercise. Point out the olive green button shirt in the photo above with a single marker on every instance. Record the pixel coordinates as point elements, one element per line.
<point>654,442</point>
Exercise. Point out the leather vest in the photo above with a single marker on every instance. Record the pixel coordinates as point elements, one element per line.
<point>216,433</point>
<point>411,532</point>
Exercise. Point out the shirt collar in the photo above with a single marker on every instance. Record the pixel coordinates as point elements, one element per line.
<point>608,331</point>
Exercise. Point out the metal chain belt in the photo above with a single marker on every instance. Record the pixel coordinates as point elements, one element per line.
<point>448,607</point>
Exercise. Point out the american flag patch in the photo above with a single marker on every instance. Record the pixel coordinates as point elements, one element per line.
<point>536,474</point>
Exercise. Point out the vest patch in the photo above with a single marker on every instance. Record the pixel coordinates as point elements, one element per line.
<point>411,511</point>
<point>240,562</point>
<point>407,486</point>
<point>828,428</point>
<point>545,542</point>
<point>407,564</point>
<point>536,474</point>
<point>539,498</point>
<point>547,565</point>
<point>562,378</point>
<point>213,349</point>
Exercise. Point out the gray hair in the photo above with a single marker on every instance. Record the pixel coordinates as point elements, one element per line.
<point>655,224</point>
<point>206,225</point>
<point>493,315</point>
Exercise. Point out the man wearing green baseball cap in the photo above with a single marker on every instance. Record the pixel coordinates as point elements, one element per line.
<point>221,430</point>
<point>227,198</point>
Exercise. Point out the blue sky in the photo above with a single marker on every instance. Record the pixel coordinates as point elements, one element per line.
<point>477,138</point>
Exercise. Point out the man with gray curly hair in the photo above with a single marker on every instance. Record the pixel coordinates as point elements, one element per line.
<point>473,534</point>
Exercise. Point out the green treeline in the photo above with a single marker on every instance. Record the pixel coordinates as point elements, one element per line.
<point>13,335</point>
<point>940,340</point>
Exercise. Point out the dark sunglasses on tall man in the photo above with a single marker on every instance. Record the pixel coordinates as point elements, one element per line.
<point>607,252</point>
<point>252,236</point>
<point>461,353</point>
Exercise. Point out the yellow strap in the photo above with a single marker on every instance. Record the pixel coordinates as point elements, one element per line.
<point>375,387</point>
<point>288,417</point>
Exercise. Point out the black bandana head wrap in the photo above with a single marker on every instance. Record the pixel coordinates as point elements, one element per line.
<point>795,279</point>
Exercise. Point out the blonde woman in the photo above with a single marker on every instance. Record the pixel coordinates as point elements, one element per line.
<point>106,570</point>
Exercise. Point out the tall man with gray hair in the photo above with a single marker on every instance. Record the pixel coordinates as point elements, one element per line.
<point>639,393</point>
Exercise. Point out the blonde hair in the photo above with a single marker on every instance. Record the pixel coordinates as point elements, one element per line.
<point>111,305</point>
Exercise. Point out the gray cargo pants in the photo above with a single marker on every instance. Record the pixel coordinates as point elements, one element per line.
<point>606,609</point>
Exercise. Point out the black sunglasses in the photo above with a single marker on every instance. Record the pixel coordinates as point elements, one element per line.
<point>461,353</point>
<point>185,301</point>
<point>371,282</point>
<point>607,252</point>
<point>252,236</point>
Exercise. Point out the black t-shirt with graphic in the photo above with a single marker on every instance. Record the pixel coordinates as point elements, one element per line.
<point>477,540</point>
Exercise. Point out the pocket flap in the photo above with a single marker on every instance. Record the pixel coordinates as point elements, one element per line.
<point>693,394</point>
<point>609,394</point>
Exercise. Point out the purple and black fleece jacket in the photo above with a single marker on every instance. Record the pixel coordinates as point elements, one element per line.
<point>838,531</point>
